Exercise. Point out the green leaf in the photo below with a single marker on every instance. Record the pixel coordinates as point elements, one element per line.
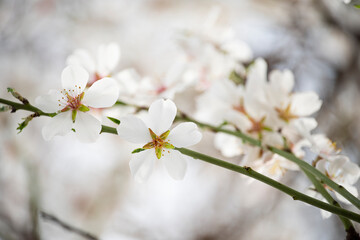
<point>138,150</point>
<point>114,120</point>
<point>26,121</point>
<point>22,125</point>
<point>17,96</point>
<point>357,5</point>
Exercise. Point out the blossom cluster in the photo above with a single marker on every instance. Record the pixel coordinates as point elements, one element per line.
<point>231,91</point>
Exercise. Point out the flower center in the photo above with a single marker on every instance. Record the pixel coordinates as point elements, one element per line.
<point>285,114</point>
<point>71,100</point>
<point>159,143</point>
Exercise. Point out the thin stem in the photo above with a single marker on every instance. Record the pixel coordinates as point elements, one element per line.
<point>323,178</point>
<point>289,191</point>
<point>302,164</point>
<point>305,166</point>
<point>68,227</point>
<point>27,107</point>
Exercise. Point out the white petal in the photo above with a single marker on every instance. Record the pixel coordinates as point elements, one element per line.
<point>305,104</point>
<point>336,165</point>
<point>87,127</point>
<point>49,102</point>
<point>141,164</point>
<point>351,189</point>
<point>322,165</point>
<point>59,125</point>
<point>103,93</point>
<point>161,115</point>
<point>325,214</point>
<point>74,75</point>
<point>83,58</point>
<point>134,130</point>
<point>274,139</point>
<point>256,76</point>
<point>238,50</point>
<point>185,135</point>
<point>175,163</point>
<point>129,81</point>
<point>108,57</point>
<point>282,80</point>
<point>230,146</point>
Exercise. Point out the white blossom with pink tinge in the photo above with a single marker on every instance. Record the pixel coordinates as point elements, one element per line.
<point>158,141</point>
<point>72,104</point>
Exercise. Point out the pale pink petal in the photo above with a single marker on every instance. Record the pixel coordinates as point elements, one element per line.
<point>305,104</point>
<point>175,163</point>
<point>134,130</point>
<point>59,125</point>
<point>87,127</point>
<point>49,102</point>
<point>141,164</point>
<point>74,75</point>
<point>161,115</point>
<point>185,135</point>
<point>83,58</point>
<point>103,93</point>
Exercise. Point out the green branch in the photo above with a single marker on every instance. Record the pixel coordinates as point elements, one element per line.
<point>307,168</point>
<point>320,189</point>
<point>285,189</point>
<point>27,107</point>
<point>302,164</point>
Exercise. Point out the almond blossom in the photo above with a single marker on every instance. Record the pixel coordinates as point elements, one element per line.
<point>73,103</point>
<point>158,140</point>
<point>212,52</point>
<point>100,64</point>
<point>342,171</point>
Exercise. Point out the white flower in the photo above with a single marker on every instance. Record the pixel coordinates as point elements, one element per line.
<point>142,90</point>
<point>290,105</point>
<point>72,104</point>
<point>342,171</point>
<point>158,141</point>
<point>99,65</point>
<point>274,166</point>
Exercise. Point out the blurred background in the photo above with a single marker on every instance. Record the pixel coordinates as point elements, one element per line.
<point>89,186</point>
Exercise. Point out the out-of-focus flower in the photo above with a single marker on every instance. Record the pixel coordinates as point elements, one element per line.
<point>159,141</point>
<point>342,171</point>
<point>275,166</point>
<point>290,105</point>
<point>99,65</point>
<point>142,90</point>
<point>73,102</point>
<point>212,53</point>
